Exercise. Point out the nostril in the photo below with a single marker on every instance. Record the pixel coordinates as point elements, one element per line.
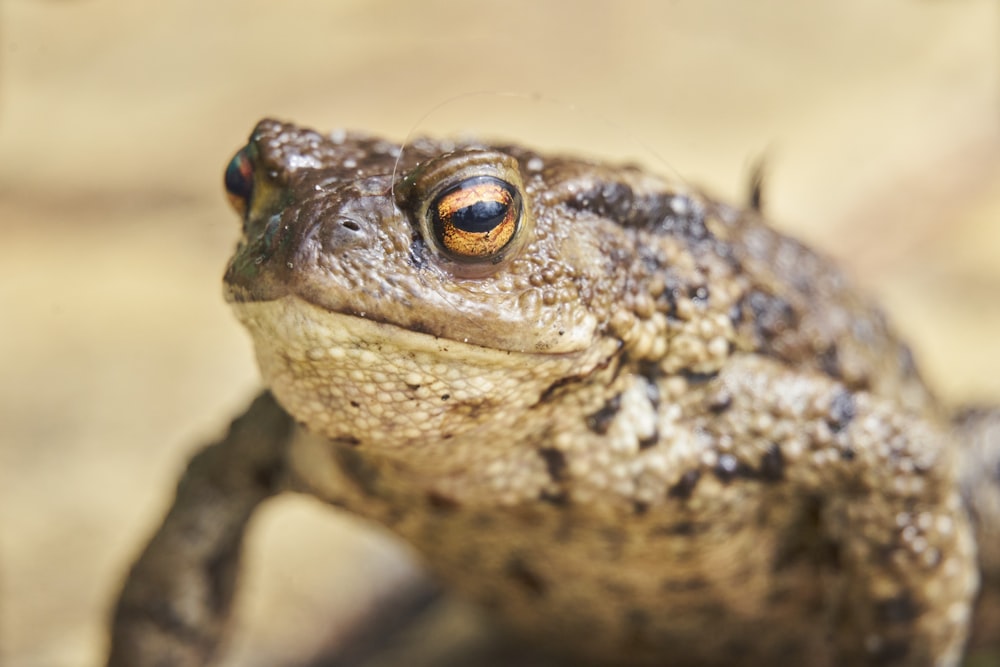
<point>350,224</point>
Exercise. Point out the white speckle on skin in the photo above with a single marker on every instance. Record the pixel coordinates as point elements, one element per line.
<point>680,205</point>
<point>299,161</point>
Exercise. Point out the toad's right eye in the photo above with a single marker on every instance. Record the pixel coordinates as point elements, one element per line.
<point>239,181</point>
<point>475,219</point>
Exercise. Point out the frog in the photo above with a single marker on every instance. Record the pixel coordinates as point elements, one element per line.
<point>634,424</point>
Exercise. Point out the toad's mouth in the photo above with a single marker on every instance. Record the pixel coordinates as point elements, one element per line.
<point>312,332</point>
<point>494,320</point>
<point>348,376</point>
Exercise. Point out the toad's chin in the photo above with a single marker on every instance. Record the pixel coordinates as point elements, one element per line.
<point>348,377</point>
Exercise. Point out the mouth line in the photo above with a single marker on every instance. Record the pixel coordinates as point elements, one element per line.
<point>312,331</point>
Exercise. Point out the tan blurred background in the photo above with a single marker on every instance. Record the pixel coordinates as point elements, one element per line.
<point>879,121</point>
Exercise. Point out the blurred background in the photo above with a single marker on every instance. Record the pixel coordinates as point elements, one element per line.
<point>879,123</point>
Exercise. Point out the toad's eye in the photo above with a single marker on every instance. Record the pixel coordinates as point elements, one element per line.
<point>476,219</point>
<point>239,181</point>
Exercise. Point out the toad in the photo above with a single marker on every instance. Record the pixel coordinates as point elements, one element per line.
<point>635,424</point>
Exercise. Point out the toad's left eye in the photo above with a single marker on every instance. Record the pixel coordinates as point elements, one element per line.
<point>475,219</point>
<point>239,181</point>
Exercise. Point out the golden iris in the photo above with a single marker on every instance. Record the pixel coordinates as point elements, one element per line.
<point>476,218</point>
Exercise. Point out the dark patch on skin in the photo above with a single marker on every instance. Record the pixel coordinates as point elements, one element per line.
<point>771,315</point>
<point>736,315</point>
<point>893,651</point>
<point>681,528</point>
<point>472,408</point>
<point>719,402</point>
<point>418,253</point>
<point>653,392</point>
<point>560,499</point>
<point>553,389</point>
<point>412,387</point>
<point>442,503</point>
<point>683,585</point>
<point>688,225</point>
<point>829,362</point>
<point>555,463</point>
<point>772,464</point>
<point>347,441</point>
<point>694,378</point>
<point>847,454</point>
<point>355,404</point>
<point>729,468</point>
<point>639,508</point>
<point>651,372</point>
<point>698,294</point>
<point>842,411</point>
<point>600,421</point>
<point>358,470</point>
<point>805,541</point>
<point>685,485</point>
<point>609,200</point>
<point>713,609</point>
<point>524,576</point>
<point>649,441</point>
<point>424,328</point>
<point>445,397</point>
<point>532,516</point>
<point>617,201</point>
<point>724,250</point>
<point>669,298</point>
<point>898,609</point>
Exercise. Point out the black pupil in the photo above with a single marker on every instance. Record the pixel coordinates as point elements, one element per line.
<point>480,217</point>
<point>238,182</point>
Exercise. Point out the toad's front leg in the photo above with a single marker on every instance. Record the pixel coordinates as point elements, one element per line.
<point>176,601</point>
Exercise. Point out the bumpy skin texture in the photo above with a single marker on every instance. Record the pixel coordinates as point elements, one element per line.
<point>652,430</point>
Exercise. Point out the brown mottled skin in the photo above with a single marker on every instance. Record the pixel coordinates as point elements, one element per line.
<point>650,429</point>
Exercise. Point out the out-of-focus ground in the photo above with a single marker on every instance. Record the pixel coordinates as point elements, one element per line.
<point>879,122</point>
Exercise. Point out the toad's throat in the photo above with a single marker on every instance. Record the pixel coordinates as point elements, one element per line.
<point>346,376</point>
